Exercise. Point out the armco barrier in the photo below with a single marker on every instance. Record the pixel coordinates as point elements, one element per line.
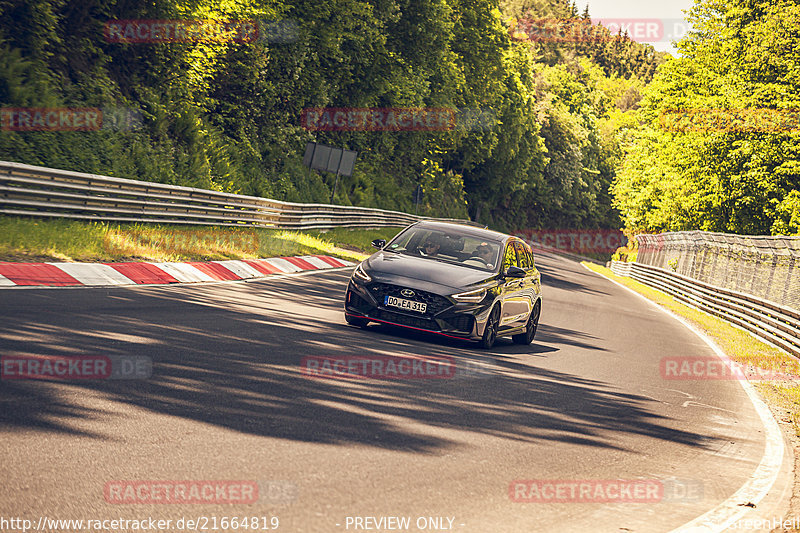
<point>774,323</point>
<point>27,190</point>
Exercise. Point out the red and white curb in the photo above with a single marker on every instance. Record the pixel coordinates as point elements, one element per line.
<point>109,274</point>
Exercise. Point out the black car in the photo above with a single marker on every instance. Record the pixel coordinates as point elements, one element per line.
<point>450,279</point>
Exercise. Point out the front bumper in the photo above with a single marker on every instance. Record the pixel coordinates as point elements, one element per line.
<point>443,316</point>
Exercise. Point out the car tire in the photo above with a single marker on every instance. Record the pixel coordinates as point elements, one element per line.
<point>530,327</point>
<point>491,329</point>
<point>356,320</point>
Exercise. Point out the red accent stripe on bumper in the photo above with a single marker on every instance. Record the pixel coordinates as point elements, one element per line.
<point>408,327</point>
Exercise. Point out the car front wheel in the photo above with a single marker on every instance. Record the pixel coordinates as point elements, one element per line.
<point>530,328</point>
<point>490,331</point>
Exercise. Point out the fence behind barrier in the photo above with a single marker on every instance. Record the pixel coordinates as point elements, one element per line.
<point>750,281</point>
<point>762,266</point>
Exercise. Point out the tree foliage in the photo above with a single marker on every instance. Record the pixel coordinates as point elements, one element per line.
<point>730,174</point>
<point>226,115</point>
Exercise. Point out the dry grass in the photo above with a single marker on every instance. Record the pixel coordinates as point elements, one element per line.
<point>23,239</point>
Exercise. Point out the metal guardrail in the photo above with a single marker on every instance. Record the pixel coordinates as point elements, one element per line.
<point>621,268</point>
<point>27,190</point>
<point>777,324</point>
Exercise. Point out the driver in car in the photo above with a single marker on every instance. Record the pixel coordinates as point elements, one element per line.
<point>431,247</point>
<point>484,253</point>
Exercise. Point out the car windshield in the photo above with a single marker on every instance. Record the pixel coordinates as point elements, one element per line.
<point>447,246</point>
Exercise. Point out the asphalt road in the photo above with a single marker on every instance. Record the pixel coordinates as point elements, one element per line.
<point>226,401</point>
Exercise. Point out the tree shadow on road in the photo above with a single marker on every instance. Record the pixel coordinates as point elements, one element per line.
<point>553,277</point>
<point>230,355</point>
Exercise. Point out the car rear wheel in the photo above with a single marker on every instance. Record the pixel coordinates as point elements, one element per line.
<point>530,328</point>
<point>490,331</point>
<point>356,320</point>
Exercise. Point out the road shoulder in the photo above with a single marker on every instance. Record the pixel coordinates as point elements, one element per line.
<point>777,504</point>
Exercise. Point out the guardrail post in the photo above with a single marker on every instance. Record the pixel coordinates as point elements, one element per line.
<point>788,292</point>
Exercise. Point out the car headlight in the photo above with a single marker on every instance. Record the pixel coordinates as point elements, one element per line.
<point>471,296</point>
<point>359,274</point>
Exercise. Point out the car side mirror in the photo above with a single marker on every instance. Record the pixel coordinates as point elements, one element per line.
<point>379,243</point>
<point>515,272</point>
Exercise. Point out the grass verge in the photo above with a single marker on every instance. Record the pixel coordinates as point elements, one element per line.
<point>34,240</point>
<point>782,395</point>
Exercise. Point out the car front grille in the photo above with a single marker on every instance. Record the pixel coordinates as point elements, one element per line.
<point>460,322</point>
<point>436,304</point>
<point>405,320</point>
<point>354,300</point>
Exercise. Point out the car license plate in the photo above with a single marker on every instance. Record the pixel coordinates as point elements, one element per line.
<point>409,305</point>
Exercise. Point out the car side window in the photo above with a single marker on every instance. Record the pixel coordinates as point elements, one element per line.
<point>529,255</point>
<point>524,263</point>
<point>510,258</point>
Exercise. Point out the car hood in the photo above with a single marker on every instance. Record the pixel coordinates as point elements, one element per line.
<point>395,268</point>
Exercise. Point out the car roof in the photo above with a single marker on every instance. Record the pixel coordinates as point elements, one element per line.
<point>464,229</point>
